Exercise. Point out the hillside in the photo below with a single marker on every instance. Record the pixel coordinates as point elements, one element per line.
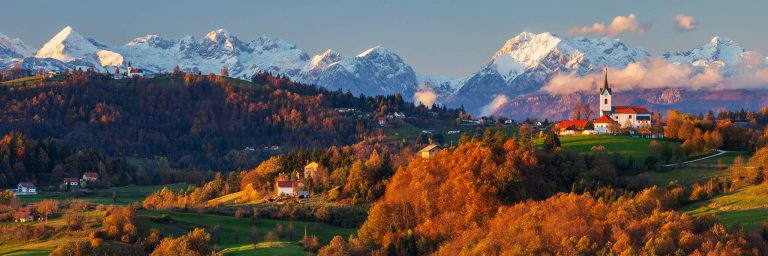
<point>195,121</point>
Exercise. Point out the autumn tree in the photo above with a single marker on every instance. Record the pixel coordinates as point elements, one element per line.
<point>47,207</point>
<point>196,242</point>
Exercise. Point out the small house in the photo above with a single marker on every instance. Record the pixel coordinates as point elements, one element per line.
<point>569,127</point>
<point>71,181</point>
<point>428,151</point>
<point>26,188</point>
<point>382,120</point>
<point>90,176</point>
<point>602,123</point>
<point>288,187</point>
<point>22,216</point>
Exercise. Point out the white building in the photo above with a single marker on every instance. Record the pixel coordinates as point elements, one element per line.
<point>131,72</point>
<point>288,187</point>
<point>601,124</point>
<point>26,188</point>
<point>626,116</point>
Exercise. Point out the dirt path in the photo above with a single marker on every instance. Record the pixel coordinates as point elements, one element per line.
<point>719,152</point>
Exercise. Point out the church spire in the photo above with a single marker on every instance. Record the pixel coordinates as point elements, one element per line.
<point>605,87</point>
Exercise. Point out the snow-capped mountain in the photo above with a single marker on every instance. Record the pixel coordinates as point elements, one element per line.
<point>517,71</point>
<point>69,46</point>
<point>215,50</point>
<point>376,71</point>
<point>14,48</point>
<point>525,62</point>
<point>720,51</point>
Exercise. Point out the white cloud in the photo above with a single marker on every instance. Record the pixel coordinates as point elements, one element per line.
<point>658,73</point>
<point>686,23</point>
<point>424,96</point>
<point>619,25</point>
<point>492,106</point>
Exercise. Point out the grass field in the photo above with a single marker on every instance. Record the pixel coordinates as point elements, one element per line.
<point>626,146</point>
<point>409,132</point>
<point>747,206</point>
<point>684,175</point>
<point>30,80</point>
<point>233,238</point>
<point>125,195</point>
<point>235,232</point>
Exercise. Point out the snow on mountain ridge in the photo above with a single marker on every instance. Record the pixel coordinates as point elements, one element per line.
<point>14,48</point>
<point>720,51</point>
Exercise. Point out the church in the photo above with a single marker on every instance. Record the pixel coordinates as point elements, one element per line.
<point>625,116</point>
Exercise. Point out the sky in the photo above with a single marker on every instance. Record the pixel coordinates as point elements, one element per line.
<point>446,37</point>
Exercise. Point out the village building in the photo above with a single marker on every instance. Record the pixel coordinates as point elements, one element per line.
<point>601,124</point>
<point>571,127</point>
<point>73,182</point>
<point>23,216</point>
<point>90,176</point>
<point>429,151</point>
<point>288,187</point>
<point>626,116</point>
<point>25,188</point>
<point>131,72</point>
<point>382,120</point>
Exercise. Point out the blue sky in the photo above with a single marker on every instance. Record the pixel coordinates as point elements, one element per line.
<point>436,37</point>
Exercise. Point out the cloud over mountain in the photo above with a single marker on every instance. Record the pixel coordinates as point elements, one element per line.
<point>686,22</point>
<point>619,25</point>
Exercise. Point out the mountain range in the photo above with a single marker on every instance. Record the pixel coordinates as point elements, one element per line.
<point>510,84</point>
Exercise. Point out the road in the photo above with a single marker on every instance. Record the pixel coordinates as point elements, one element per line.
<point>719,152</point>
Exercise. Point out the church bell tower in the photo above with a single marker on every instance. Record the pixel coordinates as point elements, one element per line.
<point>605,97</point>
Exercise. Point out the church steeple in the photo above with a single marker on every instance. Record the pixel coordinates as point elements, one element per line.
<point>605,97</point>
<point>605,84</point>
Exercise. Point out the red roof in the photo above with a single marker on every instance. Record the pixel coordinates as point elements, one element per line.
<point>288,183</point>
<point>136,70</point>
<point>91,175</point>
<point>631,110</point>
<point>71,179</point>
<point>572,124</point>
<point>604,120</point>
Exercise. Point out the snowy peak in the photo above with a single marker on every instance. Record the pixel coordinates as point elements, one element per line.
<point>67,45</point>
<point>14,48</point>
<point>376,71</point>
<point>719,51</point>
<point>324,60</point>
<point>528,48</point>
<point>222,38</point>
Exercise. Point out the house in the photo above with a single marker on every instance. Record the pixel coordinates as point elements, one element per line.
<point>288,187</point>
<point>90,176</point>
<point>399,115</point>
<point>382,120</point>
<point>310,170</point>
<point>71,181</point>
<point>570,127</point>
<point>602,124</point>
<point>303,194</point>
<point>428,151</point>
<point>26,188</point>
<point>626,116</point>
<point>23,216</point>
